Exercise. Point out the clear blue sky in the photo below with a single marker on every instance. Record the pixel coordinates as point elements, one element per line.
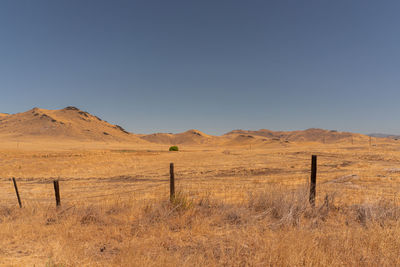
<point>170,66</point>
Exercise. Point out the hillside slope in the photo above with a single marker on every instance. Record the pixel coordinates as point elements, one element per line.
<point>74,124</point>
<point>70,123</point>
<point>190,137</point>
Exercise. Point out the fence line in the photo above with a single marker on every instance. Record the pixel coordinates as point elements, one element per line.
<point>56,185</point>
<point>16,191</point>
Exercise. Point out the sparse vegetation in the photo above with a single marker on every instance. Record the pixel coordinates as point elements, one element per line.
<point>71,108</point>
<point>121,129</point>
<point>276,229</point>
<point>233,206</point>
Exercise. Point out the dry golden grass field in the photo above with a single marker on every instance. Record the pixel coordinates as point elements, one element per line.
<point>236,205</point>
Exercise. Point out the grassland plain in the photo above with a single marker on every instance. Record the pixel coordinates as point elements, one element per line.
<point>236,206</point>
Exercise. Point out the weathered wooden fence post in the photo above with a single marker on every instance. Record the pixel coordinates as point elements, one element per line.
<point>171,182</point>
<point>313,181</point>
<point>16,191</point>
<point>57,192</point>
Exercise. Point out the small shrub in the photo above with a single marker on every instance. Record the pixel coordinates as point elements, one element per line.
<point>173,148</point>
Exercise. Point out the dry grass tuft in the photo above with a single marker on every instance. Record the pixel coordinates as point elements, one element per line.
<point>285,208</point>
<point>383,213</point>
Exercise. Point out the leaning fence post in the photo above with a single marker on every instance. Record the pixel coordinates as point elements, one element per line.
<point>313,181</point>
<point>16,191</point>
<point>57,192</point>
<point>171,182</point>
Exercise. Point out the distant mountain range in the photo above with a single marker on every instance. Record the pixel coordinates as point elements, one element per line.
<point>381,135</point>
<point>72,123</point>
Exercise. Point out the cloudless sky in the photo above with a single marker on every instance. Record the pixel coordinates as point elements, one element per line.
<point>213,65</point>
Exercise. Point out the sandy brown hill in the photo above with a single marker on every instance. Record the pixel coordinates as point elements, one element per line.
<point>70,123</point>
<point>191,137</point>
<point>245,139</point>
<point>262,132</point>
<point>159,138</point>
<point>260,137</point>
<point>309,135</point>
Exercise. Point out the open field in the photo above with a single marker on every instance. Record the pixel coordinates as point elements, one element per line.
<point>199,133</point>
<point>237,205</point>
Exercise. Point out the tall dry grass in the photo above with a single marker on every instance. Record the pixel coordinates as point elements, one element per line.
<point>275,228</point>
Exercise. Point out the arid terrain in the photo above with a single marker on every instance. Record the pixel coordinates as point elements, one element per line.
<point>242,198</point>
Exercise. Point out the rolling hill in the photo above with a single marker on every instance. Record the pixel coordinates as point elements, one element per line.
<point>190,137</point>
<point>74,124</point>
<point>309,135</point>
<point>68,123</point>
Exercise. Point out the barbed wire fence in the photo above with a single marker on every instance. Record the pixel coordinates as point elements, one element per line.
<point>227,182</point>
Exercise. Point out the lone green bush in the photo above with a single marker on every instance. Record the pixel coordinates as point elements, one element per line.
<point>173,148</point>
